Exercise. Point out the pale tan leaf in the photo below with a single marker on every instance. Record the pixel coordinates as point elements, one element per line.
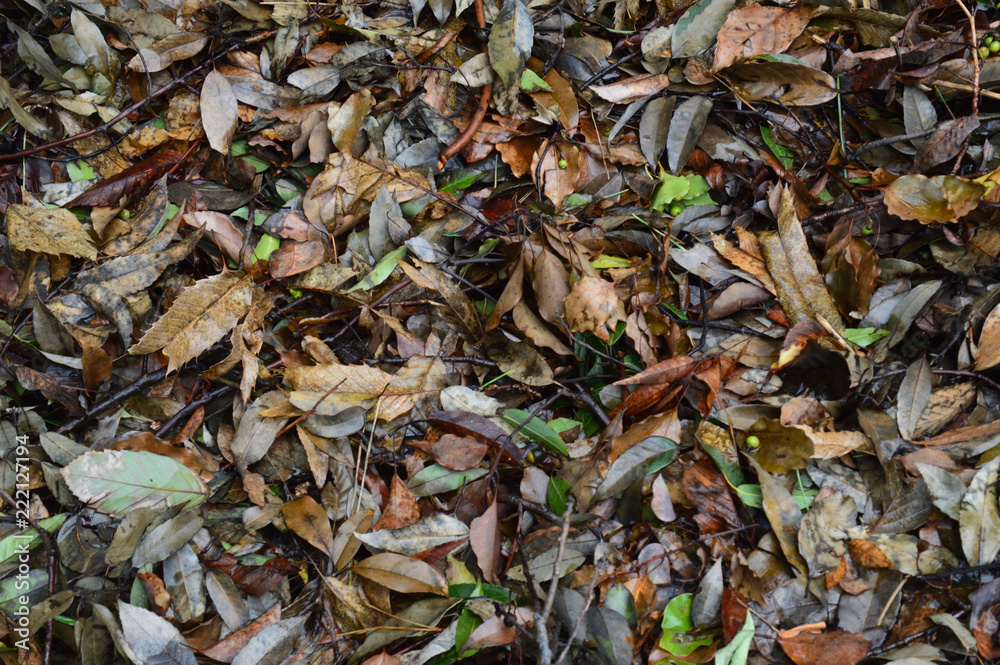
<point>168,50</point>
<point>219,111</point>
<point>401,573</point>
<point>989,342</point>
<point>593,306</point>
<point>54,231</point>
<point>308,520</point>
<point>758,30</point>
<point>199,318</point>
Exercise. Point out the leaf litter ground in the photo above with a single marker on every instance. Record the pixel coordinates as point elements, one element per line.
<point>500,332</point>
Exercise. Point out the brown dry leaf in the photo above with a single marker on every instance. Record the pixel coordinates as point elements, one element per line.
<point>944,143</point>
<point>828,445</point>
<point>838,647</point>
<point>168,50</point>
<point>48,231</point>
<point>346,122</point>
<point>758,30</point>
<point>549,281</point>
<point>460,310</point>
<point>935,200</point>
<point>293,258</point>
<point>199,318</point>
<point>562,92</point>
<point>401,573</point>
<point>801,289</point>
<point>383,659</point>
<point>788,83</point>
<point>401,509</point>
<point>485,538</point>
<point>396,396</point>
<point>220,228</point>
<point>988,354</point>
<point>226,650</point>
<point>594,306</point>
<point>308,520</point>
<point>558,182</point>
<point>868,554</point>
<point>454,452</point>
<point>945,405</point>
<point>518,153</point>
<point>632,88</point>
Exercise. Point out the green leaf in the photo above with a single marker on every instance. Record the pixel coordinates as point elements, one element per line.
<point>864,337</point>
<point>267,245</point>
<point>783,154</point>
<point>436,479</point>
<point>117,482</point>
<point>558,494</point>
<point>461,182</point>
<point>671,188</point>
<point>467,622</point>
<point>24,542</point>
<point>79,170</point>
<point>532,82</point>
<point>381,271</point>
<point>537,430</point>
<point>697,187</point>
<point>677,615</point>
<point>736,652</point>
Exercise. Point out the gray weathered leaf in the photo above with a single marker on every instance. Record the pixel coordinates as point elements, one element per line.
<point>654,127</point>
<point>255,433</point>
<point>273,644</point>
<point>914,396</point>
<point>697,28</point>
<point>612,633</point>
<point>631,465</point>
<point>872,612</point>
<point>946,489</point>
<point>91,40</point>
<point>918,112</point>
<point>822,532</point>
<point>979,516</point>
<point>166,539</point>
<point>685,130</point>
<point>422,535</point>
<point>36,57</point>
<point>61,449</point>
<point>219,111</point>
<point>707,602</point>
<point>511,38</point>
<point>30,123</point>
<point>152,638</point>
<point>185,580</point>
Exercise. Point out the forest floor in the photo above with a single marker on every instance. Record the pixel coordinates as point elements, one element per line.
<point>549,331</point>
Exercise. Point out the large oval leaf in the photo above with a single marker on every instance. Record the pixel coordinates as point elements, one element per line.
<point>119,481</point>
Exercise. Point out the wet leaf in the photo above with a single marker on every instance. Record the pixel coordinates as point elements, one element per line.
<point>979,516</point>
<point>510,41</point>
<point>932,200</point>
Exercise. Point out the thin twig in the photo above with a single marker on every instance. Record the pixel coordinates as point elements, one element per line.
<point>541,622</point>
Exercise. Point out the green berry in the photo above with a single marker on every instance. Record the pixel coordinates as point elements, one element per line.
<point>867,230</point>
<point>607,132</point>
<point>994,47</point>
<point>563,163</point>
<point>984,51</point>
<point>989,40</point>
<point>676,209</point>
<point>753,442</point>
